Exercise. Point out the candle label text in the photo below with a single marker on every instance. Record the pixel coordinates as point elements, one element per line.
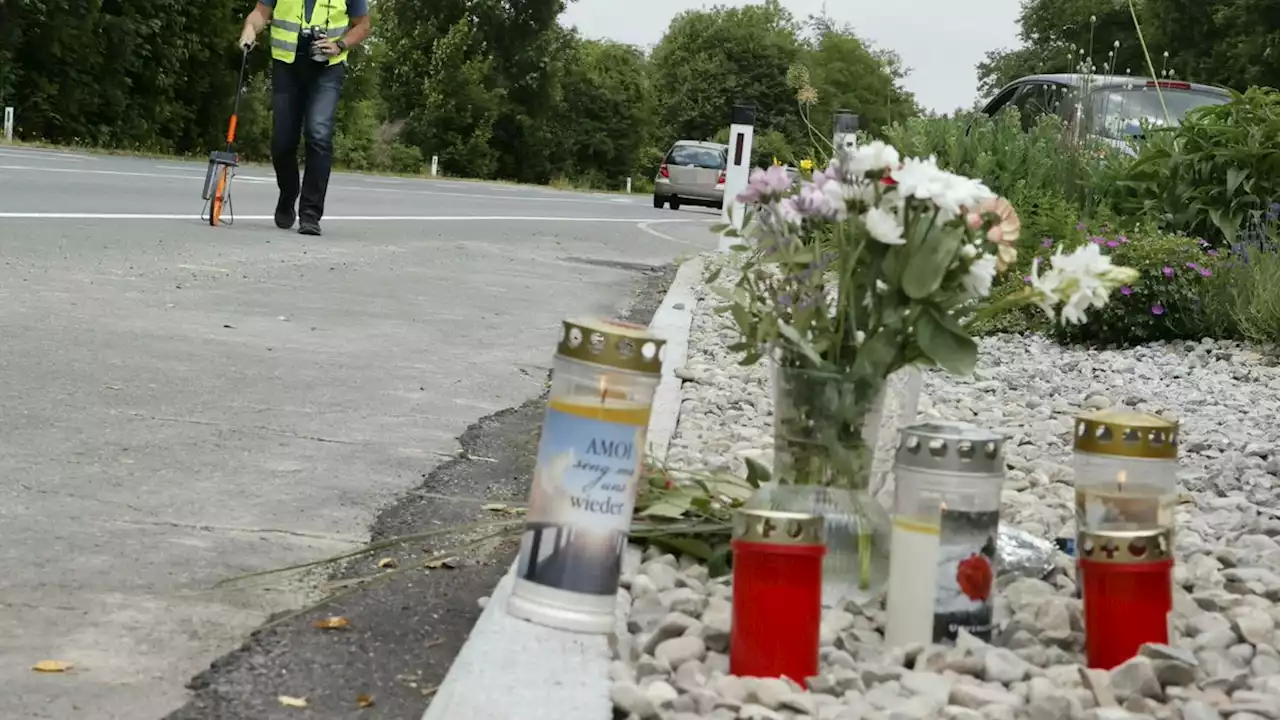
<point>581,502</point>
<point>966,574</point>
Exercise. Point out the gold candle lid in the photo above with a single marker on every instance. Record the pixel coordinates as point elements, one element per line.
<point>1126,434</point>
<point>613,343</point>
<point>1126,547</point>
<point>778,528</point>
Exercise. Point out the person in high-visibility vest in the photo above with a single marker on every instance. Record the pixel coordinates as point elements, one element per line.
<point>310,40</point>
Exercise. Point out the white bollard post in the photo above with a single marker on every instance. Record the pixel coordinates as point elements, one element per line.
<point>435,165</point>
<point>741,135</point>
<point>846,133</point>
<point>8,124</point>
<point>628,186</point>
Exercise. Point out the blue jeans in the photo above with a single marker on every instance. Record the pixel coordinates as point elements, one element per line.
<point>304,99</point>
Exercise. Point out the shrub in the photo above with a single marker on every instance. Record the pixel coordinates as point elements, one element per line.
<point>356,137</point>
<point>1174,298</point>
<point>1250,289</point>
<point>1210,174</point>
<point>403,158</point>
<point>1039,161</point>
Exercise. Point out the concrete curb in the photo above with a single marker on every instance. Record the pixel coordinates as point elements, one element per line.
<point>510,669</point>
<point>673,321</point>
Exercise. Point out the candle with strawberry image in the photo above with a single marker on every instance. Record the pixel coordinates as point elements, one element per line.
<point>942,563</point>
<point>966,574</point>
<point>974,577</point>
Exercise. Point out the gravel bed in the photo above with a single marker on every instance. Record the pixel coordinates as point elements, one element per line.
<point>1223,662</point>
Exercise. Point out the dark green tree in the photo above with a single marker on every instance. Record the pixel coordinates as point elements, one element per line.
<point>711,59</point>
<point>607,115</point>
<point>847,73</point>
<point>457,106</point>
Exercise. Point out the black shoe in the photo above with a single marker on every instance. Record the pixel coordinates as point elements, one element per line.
<point>308,227</point>
<point>285,215</point>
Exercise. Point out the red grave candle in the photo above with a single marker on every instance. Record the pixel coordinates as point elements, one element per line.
<point>1126,579</point>
<point>777,594</point>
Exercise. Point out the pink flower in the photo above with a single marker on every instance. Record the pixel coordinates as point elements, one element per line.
<point>1157,309</point>
<point>1213,253</point>
<point>1113,244</point>
<point>765,184</point>
<point>1126,290</point>
<point>1168,271</point>
<point>1206,272</point>
<point>1026,278</point>
<point>1123,239</point>
<point>1193,266</point>
<point>1046,243</point>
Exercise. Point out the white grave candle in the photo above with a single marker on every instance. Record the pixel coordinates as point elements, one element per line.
<point>913,581</point>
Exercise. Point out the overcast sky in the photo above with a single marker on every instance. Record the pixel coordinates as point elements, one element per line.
<point>940,40</point>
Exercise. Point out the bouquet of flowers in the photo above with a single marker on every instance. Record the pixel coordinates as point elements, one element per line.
<point>870,265</point>
<point>875,263</point>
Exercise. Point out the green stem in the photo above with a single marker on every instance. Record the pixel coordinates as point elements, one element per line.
<point>1133,12</point>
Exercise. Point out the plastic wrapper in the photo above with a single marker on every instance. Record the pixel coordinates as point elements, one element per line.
<point>1022,553</point>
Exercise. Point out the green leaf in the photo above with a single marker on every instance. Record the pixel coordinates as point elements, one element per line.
<point>800,343</point>
<point>876,355</point>
<point>927,266</point>
<point>945,342</point>
<point>690,546</point>
<point>721,561</point>
<point>714,276</point>
<point>1235,176</point>
<point>671,506</point>
<point>757,473</point>
<point>722,291</point>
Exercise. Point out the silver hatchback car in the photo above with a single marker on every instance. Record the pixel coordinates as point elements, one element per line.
<point>691,174</point>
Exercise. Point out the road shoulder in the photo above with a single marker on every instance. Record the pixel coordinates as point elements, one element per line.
<point>402,632</point>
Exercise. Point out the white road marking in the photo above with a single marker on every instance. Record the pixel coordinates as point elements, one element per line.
<point>82,171</point>
<point>38,155</point>
<point>645,227</point>
<point>469,195</point>
<point>341,218</point>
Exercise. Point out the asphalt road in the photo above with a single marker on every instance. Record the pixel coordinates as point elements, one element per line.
<point>180,404</point>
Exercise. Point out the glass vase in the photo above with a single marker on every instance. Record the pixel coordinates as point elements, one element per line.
<point>825,431</point>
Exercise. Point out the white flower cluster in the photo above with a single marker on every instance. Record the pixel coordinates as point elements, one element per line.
<point>889,191</point>
<point>1080,280</point>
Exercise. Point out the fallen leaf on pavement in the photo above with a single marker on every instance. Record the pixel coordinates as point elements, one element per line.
<point>388,563</point>
<point>442,563</point>
<point>331,623</point>
<point>297,702</point>
<point>495,507</point>
<point>51,666</point>
<point>364,701</point>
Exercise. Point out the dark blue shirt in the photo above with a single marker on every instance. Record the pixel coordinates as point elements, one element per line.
<point>355,9</point>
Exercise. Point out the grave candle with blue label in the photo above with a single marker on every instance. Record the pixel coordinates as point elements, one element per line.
<point>585,480</point>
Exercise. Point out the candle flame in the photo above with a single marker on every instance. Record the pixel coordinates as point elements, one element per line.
<point>604,388</point>
<point>1121,478</point>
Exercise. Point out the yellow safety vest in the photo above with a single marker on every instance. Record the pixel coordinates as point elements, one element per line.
<point>287,22</point>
